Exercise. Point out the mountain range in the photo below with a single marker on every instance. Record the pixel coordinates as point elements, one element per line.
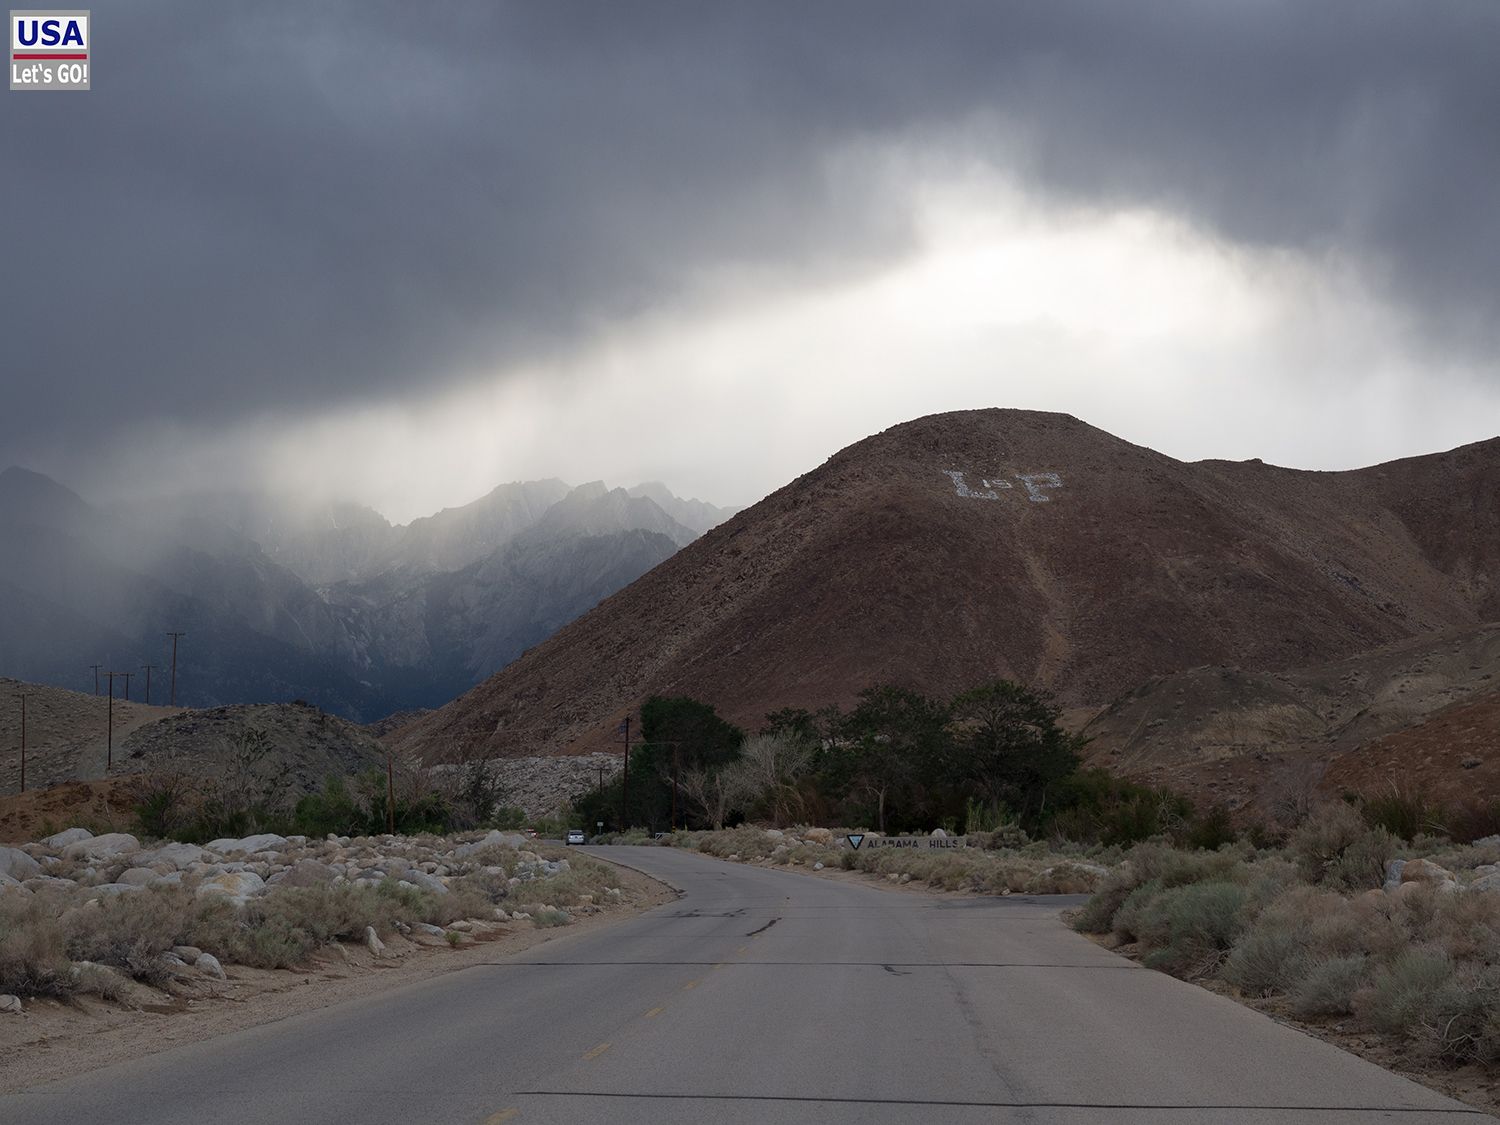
<point>962,547</point>
<point>330,603</point>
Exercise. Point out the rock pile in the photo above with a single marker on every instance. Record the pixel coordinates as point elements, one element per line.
<point>117,863</point>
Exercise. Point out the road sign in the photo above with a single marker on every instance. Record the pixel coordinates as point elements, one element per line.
<point>855,839</point>
<point>913,843</point>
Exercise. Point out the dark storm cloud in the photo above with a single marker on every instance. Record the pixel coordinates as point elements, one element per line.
<point>270,207</point>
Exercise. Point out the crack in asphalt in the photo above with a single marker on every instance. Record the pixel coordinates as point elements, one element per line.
<point>1195,1107</point>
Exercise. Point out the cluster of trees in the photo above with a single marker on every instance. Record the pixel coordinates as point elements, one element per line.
<point>898,761</point>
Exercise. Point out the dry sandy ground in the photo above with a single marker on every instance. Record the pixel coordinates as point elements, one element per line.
<point>54,1040</point>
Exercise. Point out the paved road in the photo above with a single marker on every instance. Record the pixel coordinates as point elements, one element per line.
<point>767,996</point>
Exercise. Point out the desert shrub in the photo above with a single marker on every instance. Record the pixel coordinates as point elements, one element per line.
<point>1191,928</point>
<point>1335,847</point>
<point>1267,961</point>
<point>1157,864</point>
<point>1467,926</point>
<point>331,809</point>
<point>1301,927</point>
<point>1328,986</point>
<point>549,916</point>
<point>1268,878</point>
<point>212,924</point>
<point>320,914</point>
<point>1402,812</point>
<point>1472,820</point>
<point>985,816</point>
<point>165,805</point>
<point>462,901</point>
<point>130,931</point>
<point>1400,997</point>
<point>273,943</point>
<point>1211,829</point>
<point>1061,879</point>
<point>1131,921</point>
<point>33,957</point>
<point>745,841</point>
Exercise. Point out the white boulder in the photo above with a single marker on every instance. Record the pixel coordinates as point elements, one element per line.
<point>235,885</point>
<point>17,864</point>
<point>67,836</point>
<point>107,846</point>
<point>208,963</point>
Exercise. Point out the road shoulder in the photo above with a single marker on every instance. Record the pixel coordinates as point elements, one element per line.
<point>53,1039</point>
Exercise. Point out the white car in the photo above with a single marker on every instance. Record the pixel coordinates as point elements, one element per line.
<point>575,836</point>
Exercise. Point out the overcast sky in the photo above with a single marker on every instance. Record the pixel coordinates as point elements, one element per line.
<point>403,252</point>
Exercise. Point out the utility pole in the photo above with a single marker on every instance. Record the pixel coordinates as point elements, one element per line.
<point>109,736</point>
<point>96,668</point>
<point>173,700</point>
<point>127,676</point>
<point>25,695</point>
<point>390,793</point>
<point>625,786</point>
<point>676,763</point>
<point>148,668</point>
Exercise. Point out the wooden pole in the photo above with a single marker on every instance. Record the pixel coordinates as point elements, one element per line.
<point>23,740</point>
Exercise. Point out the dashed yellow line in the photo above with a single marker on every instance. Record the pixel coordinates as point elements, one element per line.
<point>503,1115</point>
<point>742,949</point>
<point>691,984</point>
<point>595,1052</point>
<point>654,1012</point>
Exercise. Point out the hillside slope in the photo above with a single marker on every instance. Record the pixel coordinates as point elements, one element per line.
<point>961,547</point>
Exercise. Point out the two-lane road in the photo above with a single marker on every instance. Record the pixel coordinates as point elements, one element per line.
<point>767,996</point>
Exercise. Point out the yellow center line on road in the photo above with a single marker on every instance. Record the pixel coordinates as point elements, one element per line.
<point>594,1053</point>
<point>742,949</point>
<point>654,1012</point>
<point>503,1115</point>
<point>691,984</point>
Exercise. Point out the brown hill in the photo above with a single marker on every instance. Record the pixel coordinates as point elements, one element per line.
<point>1452,757</point>
<point>965,546</point>
<point>302,745</point>
<point>1243,737</point>
<point>66,733</point>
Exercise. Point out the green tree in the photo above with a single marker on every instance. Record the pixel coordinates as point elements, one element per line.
<point>679,736</point>
<point>894,747</point>
<point>1009,748</point>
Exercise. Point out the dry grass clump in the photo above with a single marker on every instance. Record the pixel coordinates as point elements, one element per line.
<point>60,943</point>
<point>746,841</point>
<point>1421,966</point>
<point>32,957</point>
<point>1337,848</point>
<point>130,931</point>
<point>1328,985</point>
<point>1033,868</point>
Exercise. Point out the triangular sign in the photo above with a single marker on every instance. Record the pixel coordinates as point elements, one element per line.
<point>856,839</point>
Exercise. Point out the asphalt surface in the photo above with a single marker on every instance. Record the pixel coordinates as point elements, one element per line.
<point>767,996</point>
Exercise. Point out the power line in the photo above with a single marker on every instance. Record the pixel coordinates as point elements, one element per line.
<point>148,668</point>
<point>127,676</point>
<point>96,668</point>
